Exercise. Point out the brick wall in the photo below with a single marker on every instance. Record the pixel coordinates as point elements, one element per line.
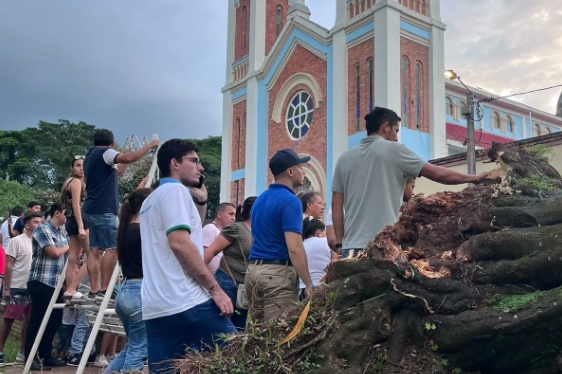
<point>314,142</point>
<point>417,53</point>
<point>359,55</point>
<point>242,32</point>
<point>271,21</point>
<point>238,159</point>
<point>237,186</point>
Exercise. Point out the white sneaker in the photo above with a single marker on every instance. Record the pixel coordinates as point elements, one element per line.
<point>101,361</point>
<point>20,357</point>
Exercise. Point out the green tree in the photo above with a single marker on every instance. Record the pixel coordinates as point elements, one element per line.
<point>13,194</point>
<point>40,156</point>
<point>210,154</point>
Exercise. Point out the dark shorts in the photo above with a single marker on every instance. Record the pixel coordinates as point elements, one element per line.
<point>103,230</point>
<point>72,226</point>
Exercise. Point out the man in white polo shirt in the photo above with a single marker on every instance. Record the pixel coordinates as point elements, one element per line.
<point>182,303</point>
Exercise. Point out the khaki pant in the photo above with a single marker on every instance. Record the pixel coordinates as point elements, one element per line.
<point>270,289</point>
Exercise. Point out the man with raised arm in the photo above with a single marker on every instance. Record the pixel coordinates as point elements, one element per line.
<point>369,181</point>
<point>182,303</point>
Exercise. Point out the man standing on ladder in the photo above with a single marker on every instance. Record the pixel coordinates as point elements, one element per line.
<point>182,303</point>
<point>102,167</point>
<point>50,246</point>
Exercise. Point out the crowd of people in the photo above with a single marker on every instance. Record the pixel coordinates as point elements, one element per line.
<point>186,285</point>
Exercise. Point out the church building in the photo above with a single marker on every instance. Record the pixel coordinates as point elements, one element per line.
<point>292,83</point>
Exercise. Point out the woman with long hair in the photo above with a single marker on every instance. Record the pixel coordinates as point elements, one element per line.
<point>318,252</point>
<point>312,205</point>
<point>73,195</point>
<point>235,241</point>
<point>128,305</point>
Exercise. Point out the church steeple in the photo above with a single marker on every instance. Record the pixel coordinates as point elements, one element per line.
<point>299,9</point>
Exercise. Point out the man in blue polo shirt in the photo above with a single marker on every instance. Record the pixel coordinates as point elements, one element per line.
<point>277,259</point>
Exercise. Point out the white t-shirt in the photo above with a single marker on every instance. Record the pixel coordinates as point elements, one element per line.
<point>20,248</point>
<point>166,288</point>
<point>329,221</point>
<point>5,233</point>
<point>319,255</point>
<point>210,233</point>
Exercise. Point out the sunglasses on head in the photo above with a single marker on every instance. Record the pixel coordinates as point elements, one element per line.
<point>78,157</point>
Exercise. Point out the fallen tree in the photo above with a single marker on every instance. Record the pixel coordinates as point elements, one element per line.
<point>465,282</point>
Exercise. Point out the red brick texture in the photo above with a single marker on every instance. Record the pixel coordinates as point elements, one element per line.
<point>242,33</point>
<point>359,55</point>
<point>420,6</point>
<point>237,192</point>
<point>271,26</point>
<point>314,142</point>
<point>417,54</point>
<point>238,159</point>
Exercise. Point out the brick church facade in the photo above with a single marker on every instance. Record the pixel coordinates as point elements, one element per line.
<point>293,84</point>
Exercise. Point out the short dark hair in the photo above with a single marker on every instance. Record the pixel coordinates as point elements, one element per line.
<point>378,116</point>
<point>103,138</point>
<point>16,211</point>
<point>173,148</point>
<point>244,211</point>
<point>56,207</point>
<point>29,217</point>
<point>33,203</point>
<point>222,207</point>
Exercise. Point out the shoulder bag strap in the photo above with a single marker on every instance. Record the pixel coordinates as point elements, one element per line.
<point>228,268</point>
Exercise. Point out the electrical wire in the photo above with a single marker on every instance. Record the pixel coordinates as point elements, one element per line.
<point>492,98</point>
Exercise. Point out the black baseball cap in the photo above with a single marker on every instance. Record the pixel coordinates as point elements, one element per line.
<point>284,159</point>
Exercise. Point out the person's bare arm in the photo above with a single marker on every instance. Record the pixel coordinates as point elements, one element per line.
<point>331,235</point>
<point>219,245</point>
<point>190,260</point>
<point>201,195</point>
<point>444,175</point>
<point>129,158</point>
<point>54,251</point>
<point>76,191</point>
<point>8,275</point>
<point>297,255</point>
<point>337,215</point>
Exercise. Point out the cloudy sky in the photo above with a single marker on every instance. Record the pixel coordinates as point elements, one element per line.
<point>146,66</point>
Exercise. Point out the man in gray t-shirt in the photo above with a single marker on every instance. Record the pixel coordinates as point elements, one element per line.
<point>369,181</point>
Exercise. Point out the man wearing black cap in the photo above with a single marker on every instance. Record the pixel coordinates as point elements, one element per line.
<point>277,259</point>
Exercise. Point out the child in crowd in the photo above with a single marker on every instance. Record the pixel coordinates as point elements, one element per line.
<point>317,250</point>
<point>65,332</point>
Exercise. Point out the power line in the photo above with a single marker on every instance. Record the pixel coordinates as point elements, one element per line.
<point>492,98</point>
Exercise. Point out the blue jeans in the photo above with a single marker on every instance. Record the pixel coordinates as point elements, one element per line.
<point>103,230</point>
<point>230,288</point>
<point>128,307</point>
<point>198,328</point>
<point>80,336</point>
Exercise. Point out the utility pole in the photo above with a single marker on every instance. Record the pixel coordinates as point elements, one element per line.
<point>468,112</point>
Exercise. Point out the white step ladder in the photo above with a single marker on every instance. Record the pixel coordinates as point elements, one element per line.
<point>99,316</point>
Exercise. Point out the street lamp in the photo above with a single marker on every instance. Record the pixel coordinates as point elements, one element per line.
<point>467,111</point>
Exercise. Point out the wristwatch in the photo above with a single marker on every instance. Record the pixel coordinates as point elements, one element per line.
<point>200,202</point>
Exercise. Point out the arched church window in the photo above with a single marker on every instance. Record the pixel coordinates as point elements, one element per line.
<point>299,115</point>
<point>510,125</point>
<point>358,97</point>
<point>306,186</point>
<point>371,85</point>
<point>404,76</point>
<point>238,142</point>
<point>419,95</point>
<point>496,121</point>
<point>278,19</point>
<point>244,29</point>
<point>449,106</point>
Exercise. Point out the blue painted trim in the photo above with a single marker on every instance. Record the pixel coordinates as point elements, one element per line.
<point>263,106</point>
<point>353,140</point>
<point>240,62</point>
<point>355,34</point>
<point>238,94</point>
<point>237,175</point>
<point>330,128</point>
<point>416,30</point>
